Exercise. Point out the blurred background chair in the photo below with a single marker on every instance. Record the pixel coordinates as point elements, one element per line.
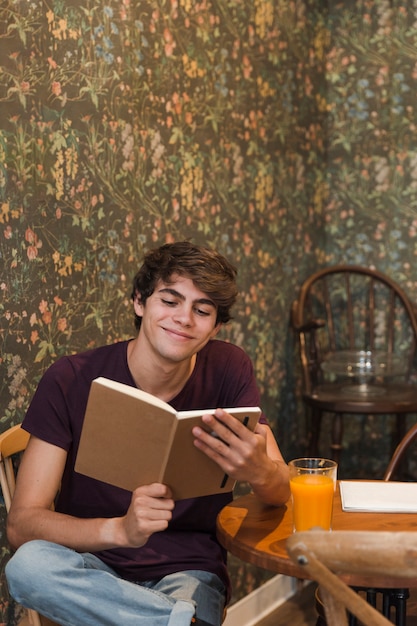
<point>12,443</point>
<point>394,599</point>
<point>357,336</point>
<point>326,556</point>
<point>395,466</point>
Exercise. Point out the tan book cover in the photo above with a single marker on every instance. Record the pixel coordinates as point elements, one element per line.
<point>131,438</point>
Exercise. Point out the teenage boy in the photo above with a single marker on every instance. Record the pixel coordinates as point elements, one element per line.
<point>104,556</point>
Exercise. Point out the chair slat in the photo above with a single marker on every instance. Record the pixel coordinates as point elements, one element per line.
<point>10,474</point>
<point>391,321</point>
<point>371,316</point>
<point>5,487</point>
<point>349,309</point>
<point>330,318</point>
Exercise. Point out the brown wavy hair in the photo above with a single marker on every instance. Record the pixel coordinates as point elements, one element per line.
<point>210,272</point>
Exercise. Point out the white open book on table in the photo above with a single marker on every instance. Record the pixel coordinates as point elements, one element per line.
<point>378,496</point>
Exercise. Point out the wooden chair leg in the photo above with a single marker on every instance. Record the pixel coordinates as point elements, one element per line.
<point>314,427</point>
<point>334,609</point>
<point>400,430</point>
<point>337,434</point>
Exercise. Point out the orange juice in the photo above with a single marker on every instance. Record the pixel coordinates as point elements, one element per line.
<point>312,501</point>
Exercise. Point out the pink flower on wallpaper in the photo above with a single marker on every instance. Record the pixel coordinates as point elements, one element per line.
<point>56,88</point>
<point>32,252</point>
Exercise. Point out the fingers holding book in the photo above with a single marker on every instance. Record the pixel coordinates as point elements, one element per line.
<point>223,438</point>
<point>150,511</point>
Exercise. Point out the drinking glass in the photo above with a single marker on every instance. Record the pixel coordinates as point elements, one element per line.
<point>313,483</point>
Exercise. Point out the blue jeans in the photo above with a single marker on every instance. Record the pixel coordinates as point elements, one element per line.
<point>76,589</point>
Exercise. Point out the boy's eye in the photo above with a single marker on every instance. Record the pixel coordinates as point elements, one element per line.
<point>202,312</point>
<point>197,310</point>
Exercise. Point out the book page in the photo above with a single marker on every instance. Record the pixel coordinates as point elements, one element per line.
<point>135,393</point>
<point>241,410</point>
<point>379,496</point>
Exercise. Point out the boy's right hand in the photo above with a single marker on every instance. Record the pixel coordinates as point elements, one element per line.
<point>150,511</point>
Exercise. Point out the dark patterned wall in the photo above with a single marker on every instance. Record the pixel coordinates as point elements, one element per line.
<point>371,212</point>
<point>128,124</point>
<point>282,133</point>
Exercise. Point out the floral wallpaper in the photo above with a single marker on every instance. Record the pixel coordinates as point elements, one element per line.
<point>280,132</point>
<point>370,212</point>
<point>371,72</point>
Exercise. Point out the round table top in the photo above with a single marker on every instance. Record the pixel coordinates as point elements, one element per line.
<point>256,533</point>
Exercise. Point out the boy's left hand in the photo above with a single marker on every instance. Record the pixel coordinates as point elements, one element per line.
<point>240,452</point>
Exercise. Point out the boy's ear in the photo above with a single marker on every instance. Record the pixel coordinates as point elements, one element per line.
<point>138,306</point>
<point>216,329</point>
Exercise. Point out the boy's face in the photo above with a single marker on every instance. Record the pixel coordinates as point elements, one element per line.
<point>177,319</point>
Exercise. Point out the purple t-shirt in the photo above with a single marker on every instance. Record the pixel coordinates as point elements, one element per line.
<point>223,376</point>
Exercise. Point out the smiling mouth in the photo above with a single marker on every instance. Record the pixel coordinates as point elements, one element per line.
<point>178,333</point>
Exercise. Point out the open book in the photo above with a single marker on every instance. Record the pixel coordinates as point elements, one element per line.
<point>379,496</point>
<point>131,438</point>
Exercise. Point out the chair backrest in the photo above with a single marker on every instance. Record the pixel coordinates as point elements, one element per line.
<point>326,556</point>
<point>400,452</point>
<point>349,307</point>
<point>13,441</point>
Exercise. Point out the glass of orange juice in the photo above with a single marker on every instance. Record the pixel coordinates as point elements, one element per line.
<point>313,483</point>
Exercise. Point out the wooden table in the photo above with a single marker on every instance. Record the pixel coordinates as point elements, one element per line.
<point>256,533</point>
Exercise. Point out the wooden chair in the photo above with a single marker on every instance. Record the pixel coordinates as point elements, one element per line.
<point>329,557</point>
<point>344,309</point>
<point>12,442</point>
<point>398,458</point>
<point>394,597</point>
